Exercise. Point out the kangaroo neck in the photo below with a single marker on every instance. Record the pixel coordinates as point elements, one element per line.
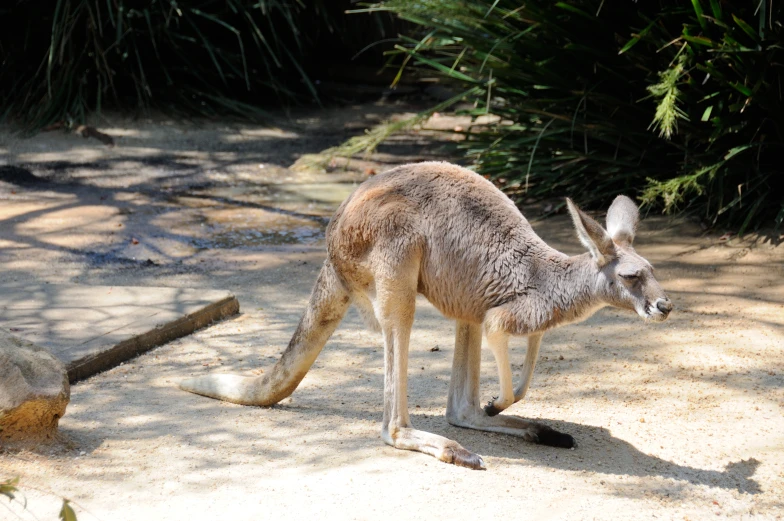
<point>561,290</point>
<point>575,291</point>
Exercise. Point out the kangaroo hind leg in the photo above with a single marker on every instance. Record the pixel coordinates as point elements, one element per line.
<point>326,308</point>
<point>395,305</point>
<point>463,407</point>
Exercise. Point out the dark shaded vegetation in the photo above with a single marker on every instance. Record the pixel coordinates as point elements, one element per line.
<point>677,102</point>
<point>63,59</point>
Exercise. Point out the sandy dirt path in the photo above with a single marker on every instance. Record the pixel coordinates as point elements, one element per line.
<point>680,420</point>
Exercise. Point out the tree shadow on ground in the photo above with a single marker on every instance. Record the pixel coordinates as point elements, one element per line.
<point>182,172</point>
<point>139,406</point>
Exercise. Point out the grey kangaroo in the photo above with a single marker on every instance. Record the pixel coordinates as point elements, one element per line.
<point>447,233</point>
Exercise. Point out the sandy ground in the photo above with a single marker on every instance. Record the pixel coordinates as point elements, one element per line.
<point>680,420</point>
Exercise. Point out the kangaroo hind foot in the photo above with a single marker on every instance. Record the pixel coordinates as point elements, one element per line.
<point>443,449</point>
<point>394,305</point>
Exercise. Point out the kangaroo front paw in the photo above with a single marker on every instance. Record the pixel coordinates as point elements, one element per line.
<point>491,409</point>
<point>553,438</point>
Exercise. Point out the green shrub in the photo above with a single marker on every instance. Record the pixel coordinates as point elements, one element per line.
<point>679,103</point>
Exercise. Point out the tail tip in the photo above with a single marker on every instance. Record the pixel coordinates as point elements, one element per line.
<point>189,384</point>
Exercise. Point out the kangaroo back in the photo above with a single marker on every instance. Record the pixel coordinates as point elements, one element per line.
<point>476,249</point>
<point>326,308</point>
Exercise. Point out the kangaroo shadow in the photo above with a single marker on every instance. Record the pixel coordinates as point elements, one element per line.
<point>598,451</point>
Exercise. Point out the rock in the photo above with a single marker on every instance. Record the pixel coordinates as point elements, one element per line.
<point>34,392</point>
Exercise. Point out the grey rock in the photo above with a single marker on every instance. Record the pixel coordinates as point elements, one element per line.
<point>34,391</point>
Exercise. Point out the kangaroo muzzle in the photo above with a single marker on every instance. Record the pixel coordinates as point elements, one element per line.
<point>664,305</point>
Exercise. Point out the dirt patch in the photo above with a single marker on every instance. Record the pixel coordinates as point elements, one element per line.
<point>681,420</point>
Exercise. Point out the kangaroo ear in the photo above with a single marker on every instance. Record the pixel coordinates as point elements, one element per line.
<point>622,219</point>
<point>592,235</point>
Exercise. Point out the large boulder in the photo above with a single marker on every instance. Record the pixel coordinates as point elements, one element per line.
<point>34,392</point>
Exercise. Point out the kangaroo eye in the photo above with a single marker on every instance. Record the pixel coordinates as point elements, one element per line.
<point>632,276</point>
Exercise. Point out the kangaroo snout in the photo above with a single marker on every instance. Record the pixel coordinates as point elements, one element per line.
<point>664,305</point>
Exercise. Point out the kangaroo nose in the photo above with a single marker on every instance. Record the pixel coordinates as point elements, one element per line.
<point>664,305</point>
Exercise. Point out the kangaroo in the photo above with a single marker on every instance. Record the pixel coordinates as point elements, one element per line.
<point>447,233</point>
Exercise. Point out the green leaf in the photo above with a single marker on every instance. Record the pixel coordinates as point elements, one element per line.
<point>491,8</point>
<point>741,88</point>
<point>631,43</point>
<point>716,8</point>
<point>7,488</point>
<point>746,28</point>
<point>699,40</point>
<point>67,513</point>
<point>218,21</point>
<point>575,10</point>
<point>737,150</point>
<point>440,67</point>
<point>779,219</point>
<point>751,213</point>
<point>119,23</point>
<point>706,115</point>
<point>700,16</point>
<point>209,48</point>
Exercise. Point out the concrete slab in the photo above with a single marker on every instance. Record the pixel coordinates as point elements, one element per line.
<point>93,328</point>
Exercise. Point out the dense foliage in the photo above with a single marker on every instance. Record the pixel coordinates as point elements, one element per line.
<point>61,59</point>
<point>678,102</point>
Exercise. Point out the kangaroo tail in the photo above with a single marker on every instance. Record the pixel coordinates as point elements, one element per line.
<point>328,304</point>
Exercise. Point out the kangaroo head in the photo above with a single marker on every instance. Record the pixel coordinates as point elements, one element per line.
<point>624,279</point>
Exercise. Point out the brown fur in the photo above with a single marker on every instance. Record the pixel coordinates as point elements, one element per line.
<point>449,234</point>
